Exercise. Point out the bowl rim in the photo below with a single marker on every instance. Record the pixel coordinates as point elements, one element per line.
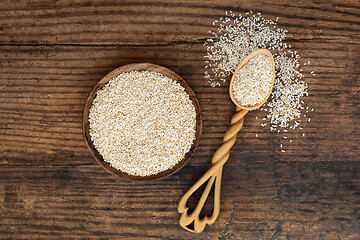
<point>140,67</point>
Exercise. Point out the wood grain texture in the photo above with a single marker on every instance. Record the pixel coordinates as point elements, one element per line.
<point>54,52</point>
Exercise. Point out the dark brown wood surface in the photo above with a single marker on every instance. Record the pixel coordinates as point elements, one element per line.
<point>54,52</point>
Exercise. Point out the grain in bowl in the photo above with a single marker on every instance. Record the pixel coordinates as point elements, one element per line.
<point>142,123</point>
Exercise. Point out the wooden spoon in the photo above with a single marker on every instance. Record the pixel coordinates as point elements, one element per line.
<point>219,159</point>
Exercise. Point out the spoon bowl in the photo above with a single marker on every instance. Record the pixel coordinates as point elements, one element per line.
<point>245,61</point>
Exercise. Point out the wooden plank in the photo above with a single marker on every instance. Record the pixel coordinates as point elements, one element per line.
<point>307,200</point>
<point>161,22</point>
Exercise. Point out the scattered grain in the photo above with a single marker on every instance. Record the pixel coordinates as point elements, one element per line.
<point>237,37</point>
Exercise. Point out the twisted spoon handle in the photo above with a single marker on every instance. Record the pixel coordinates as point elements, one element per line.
<point>213,175</point>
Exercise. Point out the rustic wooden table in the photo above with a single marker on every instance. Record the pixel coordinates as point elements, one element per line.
<point>54,52</point>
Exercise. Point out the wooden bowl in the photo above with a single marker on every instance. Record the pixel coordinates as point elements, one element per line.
<point>103,82</point>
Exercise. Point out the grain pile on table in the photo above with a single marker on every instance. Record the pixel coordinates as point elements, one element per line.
<point>142,122</point>
<point>235,36</point>
<point>253,81</point>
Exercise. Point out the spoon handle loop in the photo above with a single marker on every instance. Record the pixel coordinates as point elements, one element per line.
<point>212,175</point>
